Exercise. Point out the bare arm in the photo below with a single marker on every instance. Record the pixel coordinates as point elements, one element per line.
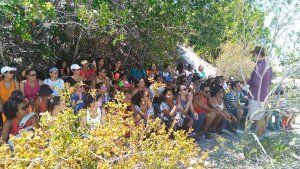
<point>5,130</point>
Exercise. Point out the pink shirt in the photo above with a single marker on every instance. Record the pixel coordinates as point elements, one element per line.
<point>29,92</point>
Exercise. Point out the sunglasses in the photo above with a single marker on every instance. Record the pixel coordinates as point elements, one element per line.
<point>54,72</point>
<point>24,107</point>
<point>10,72</point>
<point>32,75</point>
<point>76,69</point>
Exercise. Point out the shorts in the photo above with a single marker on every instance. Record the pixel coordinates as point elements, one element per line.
<point>256,110</point>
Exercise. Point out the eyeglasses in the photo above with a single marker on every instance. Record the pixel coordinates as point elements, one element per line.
<point>10,72</point>
<point>32,75</point>
<point>24,107</point>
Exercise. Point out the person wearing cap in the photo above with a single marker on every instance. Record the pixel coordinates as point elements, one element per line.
<point>76,77</point>
<point>78,96</point>
<point>31,86</point>
<point>7,86</point>
<point>44,95</point>
<point>54,82</point>
<point>85,72</point>
<point>260,83</point>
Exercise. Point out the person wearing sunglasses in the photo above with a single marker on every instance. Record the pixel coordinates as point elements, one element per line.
<point>201,107</point>
<point>76,77</point>
<point>78,96</point>
<point>101,77</point>
<point>55,83</point>
<point>7,86</point>
<point>15,110</point>
<point>31,86</point>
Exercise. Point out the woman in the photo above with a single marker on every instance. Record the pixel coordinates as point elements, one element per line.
<point>55,83</point>
<point>101,77</point>
<point>31,86</point>
<point>94,112</point>
<point>216,101</point>
<point>186,107</point>
<point>141,107</point>
<point>169,111</point>
<point>139,85</point>
<point>15,110</point>
<point>76,77</point>
<point>102,94</point>
<point>7,86</point>
<point>100,64</point>
<point>55,105</point>
<point>117,71</point>
<point>78,96</point>
<point>44,94</point>
<point>64,70</point>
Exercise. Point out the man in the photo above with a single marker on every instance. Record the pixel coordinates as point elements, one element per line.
<point>231,100</point>
<point>259,82</point>
<point>166,73</point>
<point>138,72</point>
<point>85,72</point>
<point>202,109</point>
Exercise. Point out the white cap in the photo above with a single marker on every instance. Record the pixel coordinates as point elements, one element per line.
<point>7,68</point>
<point>75,66</point>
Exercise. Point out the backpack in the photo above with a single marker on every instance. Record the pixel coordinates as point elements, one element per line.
<point>21,126</point>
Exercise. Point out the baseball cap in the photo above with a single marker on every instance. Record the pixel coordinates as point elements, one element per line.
<point>75,66</point>
<point>7,68</point>
<point>53,69</point>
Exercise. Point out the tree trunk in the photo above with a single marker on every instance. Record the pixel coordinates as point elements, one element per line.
<point>1,53</point>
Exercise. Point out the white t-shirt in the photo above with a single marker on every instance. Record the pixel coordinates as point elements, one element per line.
<point>55,85</point>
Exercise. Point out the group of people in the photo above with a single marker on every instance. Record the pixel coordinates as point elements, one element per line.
<point>183,99</point>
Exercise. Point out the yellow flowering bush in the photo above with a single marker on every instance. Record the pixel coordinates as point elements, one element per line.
<point>117,143</point>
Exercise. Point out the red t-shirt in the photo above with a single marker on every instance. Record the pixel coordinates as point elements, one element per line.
<point>86,74</point>
<point>199,109</point>
<point>15,127</point>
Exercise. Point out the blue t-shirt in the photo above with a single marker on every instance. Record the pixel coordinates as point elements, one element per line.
<point>76,103</point>
<point>135,73</point>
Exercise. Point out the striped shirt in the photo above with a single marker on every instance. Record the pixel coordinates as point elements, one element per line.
<point>229,98</point>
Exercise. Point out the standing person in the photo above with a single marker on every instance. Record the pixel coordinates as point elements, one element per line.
<point>54,82</point>
<point>76,77</point>
<point>7,86</point>
<point>31,86</point>
<point>64,70</point>
<point>201,107</point>
<point>260,83</point>
<point>86,72</point>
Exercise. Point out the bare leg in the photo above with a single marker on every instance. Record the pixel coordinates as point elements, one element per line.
<point>209,119</point>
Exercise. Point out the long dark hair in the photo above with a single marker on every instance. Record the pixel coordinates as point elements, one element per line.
<point>137,98</point>
<point>51,103</point>
<point>215,89</point>
<point>10,108</point>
